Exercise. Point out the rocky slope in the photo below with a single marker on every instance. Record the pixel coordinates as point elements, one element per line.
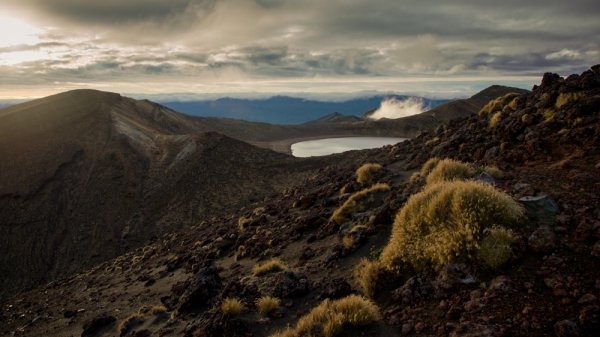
<point>87,175</point>
<point>465,107</point>
<point>547,144</point>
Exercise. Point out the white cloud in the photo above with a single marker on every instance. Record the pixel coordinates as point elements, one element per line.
<point>564,54</point>
<point>393,108</point>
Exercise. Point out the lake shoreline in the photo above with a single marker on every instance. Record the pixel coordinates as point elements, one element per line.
<point>319,146</point>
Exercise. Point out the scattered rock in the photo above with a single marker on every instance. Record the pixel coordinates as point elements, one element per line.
<point>589,317</point>
<point>407,328</point>
<point>542,240</point>
<point>453,275</point>
<point>96,324</point>
<point>469,329</point>
<point>486,178</point>
<point>566,328</point>
<point>596,249</point>
<point>69,313</point>
<point>587,299</point>
<point>204,286</point>
<point>541,209</point>
<point>336,288</point>
<point>500,285</point>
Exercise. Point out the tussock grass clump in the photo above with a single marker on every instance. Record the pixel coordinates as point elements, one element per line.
<point>360,202</point>
<point>270,266</point>
<point>495,247</point>
<point>445,222</point>
<point>243,223</point>
<point>129,323</point>
<point>449,169</point>
<point>331,317</point>
<point>267,304</point>
<point>231,306</point>
<point>366,275</point>
<point>568,97</point>
<point>497,104</point>
<point>494,171</point>
<point>496,117</point>
<point>365,174</point>
<point>429,165</point>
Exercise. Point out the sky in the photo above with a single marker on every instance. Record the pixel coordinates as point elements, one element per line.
<point>187,49</point>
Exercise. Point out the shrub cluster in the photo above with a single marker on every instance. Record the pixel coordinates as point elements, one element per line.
<point>445,222</point>
<point>330,317</point>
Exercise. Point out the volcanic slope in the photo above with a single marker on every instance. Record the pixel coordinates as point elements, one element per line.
<point>548,284</point>
<point>86,175</point>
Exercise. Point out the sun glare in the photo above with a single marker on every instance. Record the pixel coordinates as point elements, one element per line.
<point>16,32</point>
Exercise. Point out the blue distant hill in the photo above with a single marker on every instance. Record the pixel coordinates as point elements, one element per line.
<point>282,109</point>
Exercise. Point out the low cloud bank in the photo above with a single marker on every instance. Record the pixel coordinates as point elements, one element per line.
<point>393,108</point>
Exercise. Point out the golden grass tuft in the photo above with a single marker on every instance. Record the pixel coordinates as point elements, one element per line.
<point>494,171</point>
<point>448,170</point>
<point>359,202</point>
<point>497,104</point>
<point>243,223</point>
<point>331,317</point>
<point>445,222</point>
<point>129,323</point>
<point>270,266</point>
<point>495,248</point>
<point>568,97</point>
<point>496,117</point>
<point>429,165</point>
<point>267,304</point>
<point>366,275</point>
<point>231,306</point>
<point>348,243</point>
<point>365,174</point>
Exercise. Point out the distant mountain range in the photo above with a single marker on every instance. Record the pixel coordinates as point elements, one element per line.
<point>284,109</point>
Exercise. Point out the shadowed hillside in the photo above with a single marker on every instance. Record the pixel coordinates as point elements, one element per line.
<point>86,175</point>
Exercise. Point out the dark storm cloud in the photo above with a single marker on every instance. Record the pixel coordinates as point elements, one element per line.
<point>214,39</point>
<point>119,11</point>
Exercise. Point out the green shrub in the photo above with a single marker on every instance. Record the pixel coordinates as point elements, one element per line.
<point>270,266</point>
<point>267,304</point>
<point>449,169</point>
<point>495,247</point>
<point>365,174</point>
<point>366,275</point>
<point>330,317</point>
<point>231,306</point>
<point>445,222</point>
<point>360,202</point>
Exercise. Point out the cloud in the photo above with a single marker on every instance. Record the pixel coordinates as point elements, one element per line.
<point>205,40</point>
<point>393,108</point>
